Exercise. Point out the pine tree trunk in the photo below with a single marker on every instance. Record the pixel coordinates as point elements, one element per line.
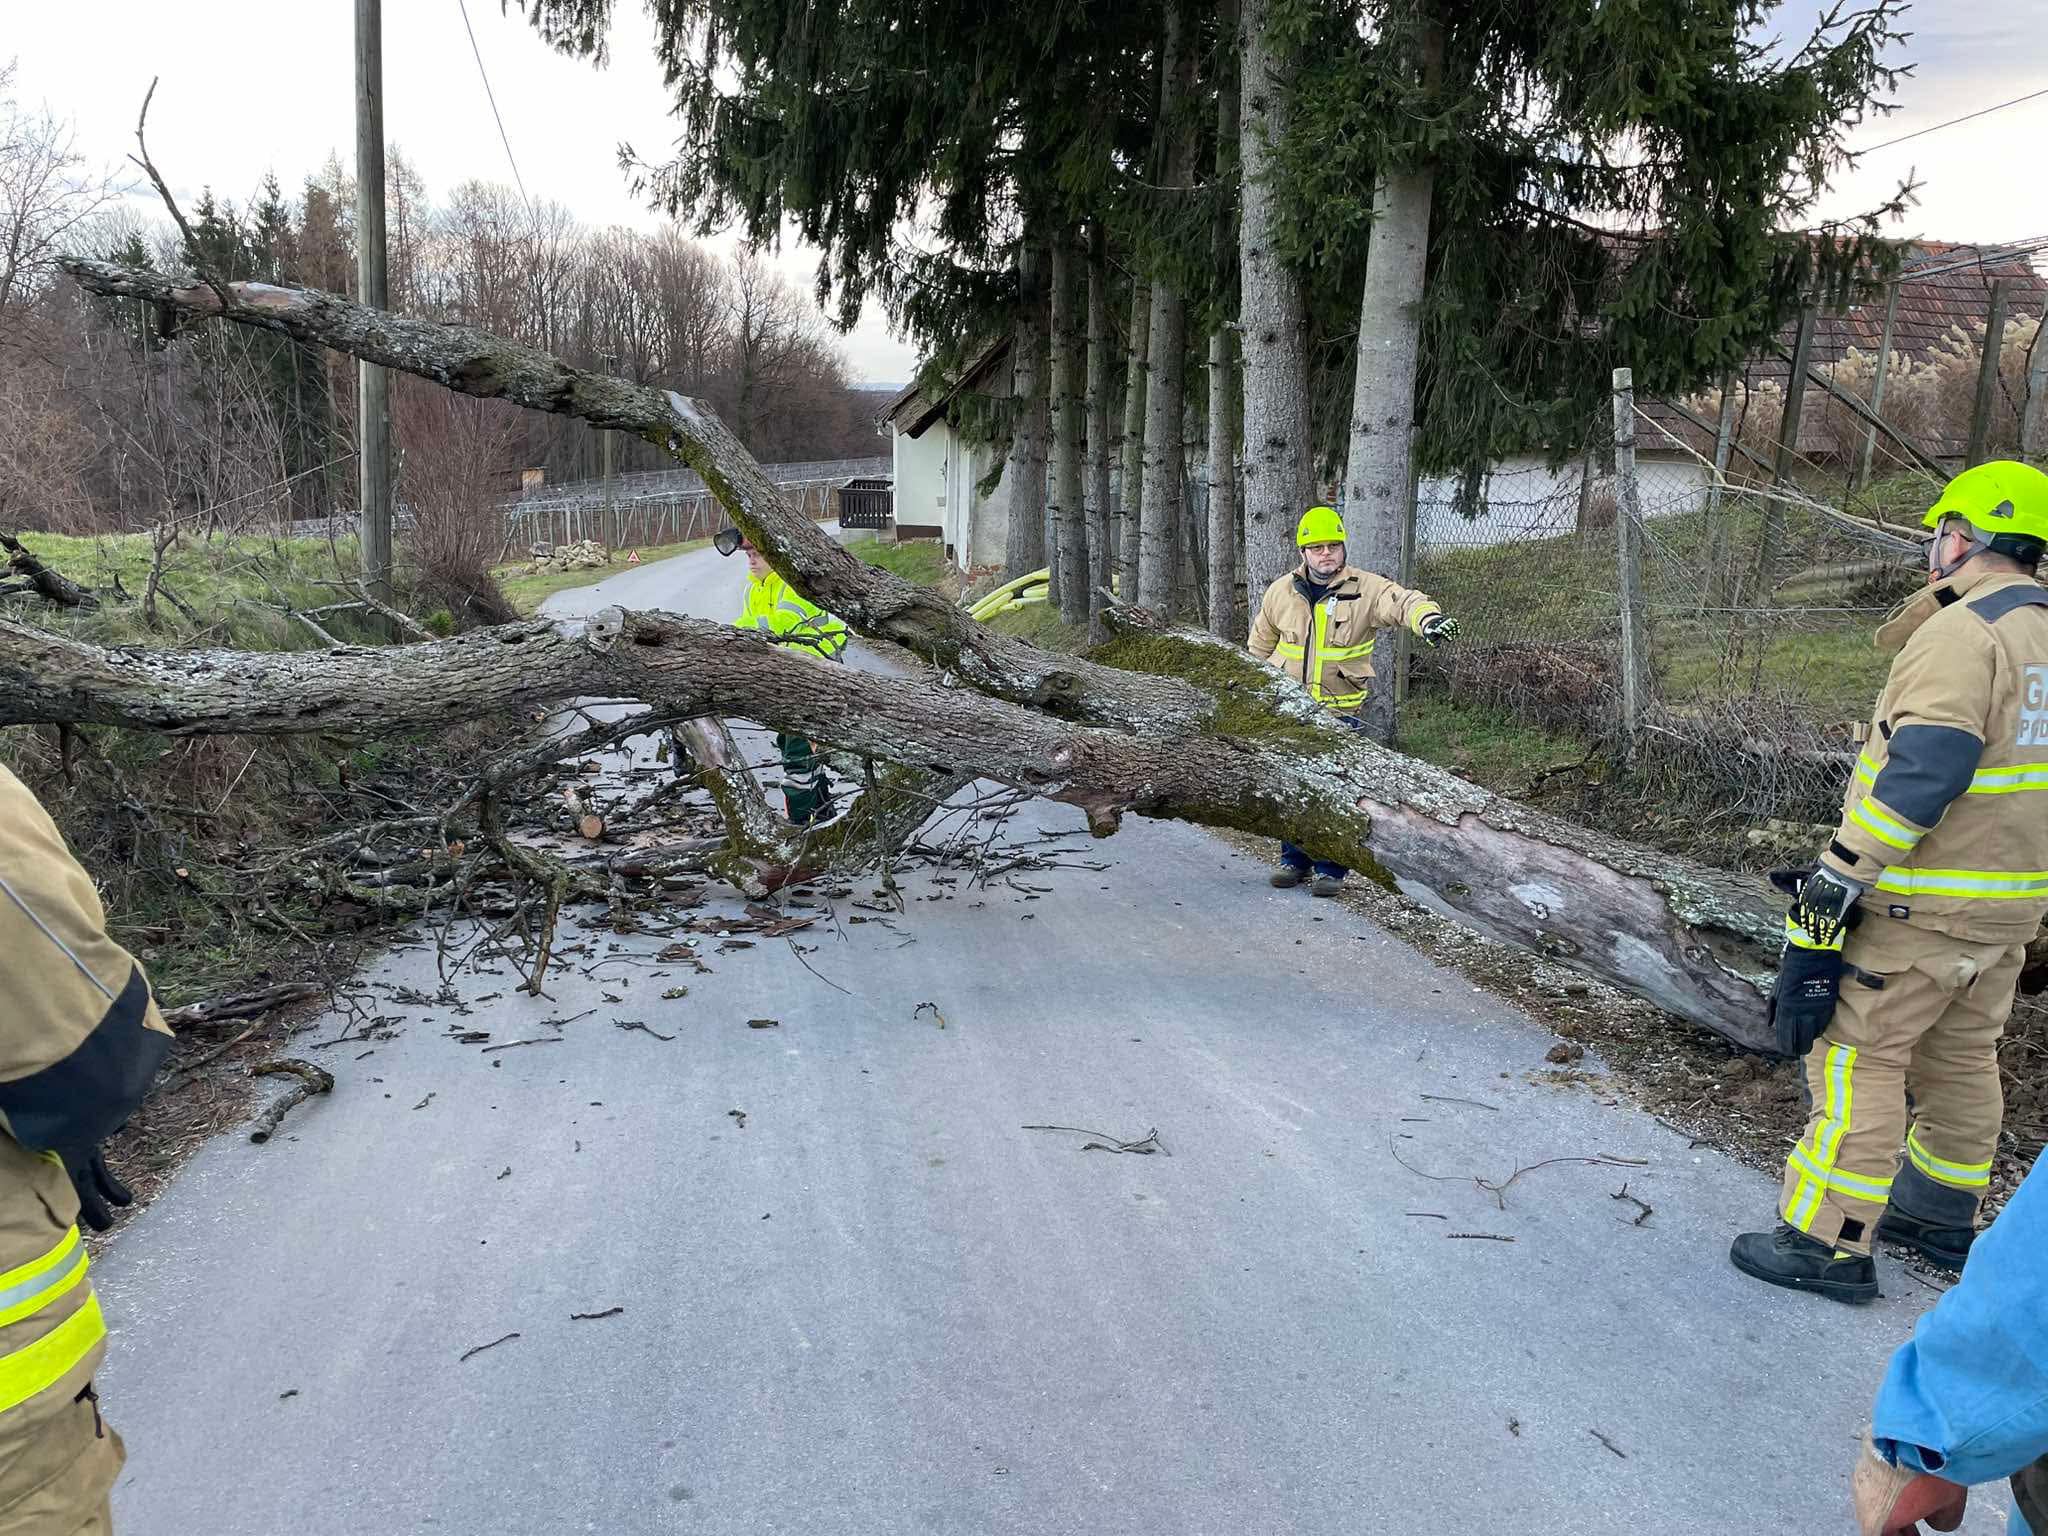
<point>1100,516</point>
<point>1271,317</point>
<point>1379,483</point>
<point>1225,622</point>
<point>1070,519</point>
<point>1024,533</point>
<point>1159,504</point>
<point>1137,374</point>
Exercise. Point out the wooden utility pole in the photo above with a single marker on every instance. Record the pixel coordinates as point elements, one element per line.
<point>373,425</point>
<point>1987,376</point>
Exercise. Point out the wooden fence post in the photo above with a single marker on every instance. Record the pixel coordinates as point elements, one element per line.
<point>1627,509</point>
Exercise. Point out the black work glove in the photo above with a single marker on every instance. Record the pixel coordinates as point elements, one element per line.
<point>97,1189</point>
<point>1437,628</point>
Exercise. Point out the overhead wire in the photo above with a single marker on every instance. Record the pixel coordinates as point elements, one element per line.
<point>1965,118</point>
<point>491,97</point>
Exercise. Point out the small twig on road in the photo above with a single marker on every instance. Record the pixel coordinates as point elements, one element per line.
<point>1499,1190</point>
<point>633,1024</point>
<point>1432,1215</point>
<point>513,1045</point>
<point>1440,1098</point>
<point>591,1317</point>
<point>797,950</point>
<point>1643,1210</point>
<point>1145,1145</point>
<point>1484,1237</point>
<point>482,1347</point>
<point>1690,1139</point>
<point>918,1012</point>
<point>1608,1443</point>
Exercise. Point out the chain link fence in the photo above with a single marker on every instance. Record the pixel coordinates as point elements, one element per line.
<point>1753,609</point>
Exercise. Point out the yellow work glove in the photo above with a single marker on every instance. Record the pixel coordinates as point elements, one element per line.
<point>1892,1501</point>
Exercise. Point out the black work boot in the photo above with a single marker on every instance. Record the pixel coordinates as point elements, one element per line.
<point>1790,1258</point>
<point>1286,877</point>
<point>1947,1246</point>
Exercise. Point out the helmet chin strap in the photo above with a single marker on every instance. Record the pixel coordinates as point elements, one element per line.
<point>1972,548</point>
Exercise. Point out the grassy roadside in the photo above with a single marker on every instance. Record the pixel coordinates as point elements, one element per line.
<point>526,591</point>
<point>238,587</point>
<point>922,561</point>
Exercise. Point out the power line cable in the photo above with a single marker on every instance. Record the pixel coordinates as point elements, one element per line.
<point>492,98</point>
<point>1966,117</point>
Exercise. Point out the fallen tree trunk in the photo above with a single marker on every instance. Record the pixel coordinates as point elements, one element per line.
<point>1699,942</point>
<point>1161,722</point>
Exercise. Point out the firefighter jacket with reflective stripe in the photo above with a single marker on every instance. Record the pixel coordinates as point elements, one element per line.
<point>80,1039</point>
<point>1946,818</point>
<point>776,608</point>
<point>1327,645</point>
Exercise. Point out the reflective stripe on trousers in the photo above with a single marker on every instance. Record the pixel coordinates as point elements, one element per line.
<point>1815,1161</point>
<point>31,1288</point>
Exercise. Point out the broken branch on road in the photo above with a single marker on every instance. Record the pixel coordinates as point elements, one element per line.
<point>312,1080</point>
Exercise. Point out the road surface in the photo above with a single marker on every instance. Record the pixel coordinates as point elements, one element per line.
<point>878,1302</point>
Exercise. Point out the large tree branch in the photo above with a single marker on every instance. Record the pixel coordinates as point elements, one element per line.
<point>875,602</point>
<point>1696,941</point>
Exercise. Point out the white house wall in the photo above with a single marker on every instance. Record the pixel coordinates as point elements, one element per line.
<point>921,477</point>
<point>1526,499</point>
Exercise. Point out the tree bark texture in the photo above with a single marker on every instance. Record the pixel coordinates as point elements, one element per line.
<point>1070,523</point>
<point>1272,318</point>
<point>1168,723</point>
<point>1024,538</point>
<point>1101,515</point>
<point>1378,481</point>
<point>1137,373</point>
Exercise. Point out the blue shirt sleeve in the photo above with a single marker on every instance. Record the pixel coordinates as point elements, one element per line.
<point>1966,1397</point>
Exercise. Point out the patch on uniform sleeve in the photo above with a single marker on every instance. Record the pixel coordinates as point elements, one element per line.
<point>2033,706</point>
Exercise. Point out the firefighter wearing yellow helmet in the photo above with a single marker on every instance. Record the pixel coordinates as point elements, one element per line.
<point>1903,947</point>
<point>1317,624</point>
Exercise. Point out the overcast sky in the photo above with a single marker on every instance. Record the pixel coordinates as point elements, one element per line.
<point>250,86</point>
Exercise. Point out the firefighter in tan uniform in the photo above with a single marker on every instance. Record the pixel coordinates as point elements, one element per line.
<point>1316,624</point>
<point>1903,948</point>
<point>80,1039</point>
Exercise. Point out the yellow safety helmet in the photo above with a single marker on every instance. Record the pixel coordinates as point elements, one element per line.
<point>2005,501</point>
<point>1319,525</point>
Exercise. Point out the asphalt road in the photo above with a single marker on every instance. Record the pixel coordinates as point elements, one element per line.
<point>880,1303</point>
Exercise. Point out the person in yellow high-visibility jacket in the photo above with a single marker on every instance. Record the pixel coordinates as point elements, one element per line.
<point>1316,624</point>
<point>1904,943</point>
<point>777,609</point>
<point>80,1040</point>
